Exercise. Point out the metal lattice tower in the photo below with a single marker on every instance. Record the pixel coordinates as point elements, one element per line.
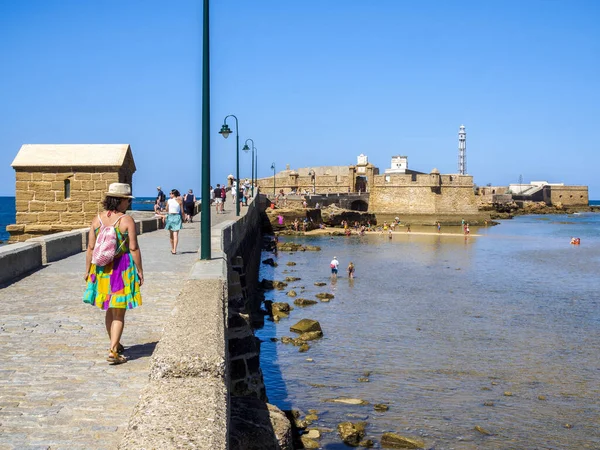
<point>462,150</point>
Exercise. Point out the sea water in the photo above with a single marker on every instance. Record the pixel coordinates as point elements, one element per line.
<point>498,330</point>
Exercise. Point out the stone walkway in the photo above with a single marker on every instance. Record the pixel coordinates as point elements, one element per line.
<point>56,389</point>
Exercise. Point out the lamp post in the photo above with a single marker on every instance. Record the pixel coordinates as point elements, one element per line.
<point>205,187</point>
<point>225,132</point>
<point>273,167</point>
<point>247,149</point>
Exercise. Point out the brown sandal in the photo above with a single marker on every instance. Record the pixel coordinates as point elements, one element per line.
<point>115,358</point>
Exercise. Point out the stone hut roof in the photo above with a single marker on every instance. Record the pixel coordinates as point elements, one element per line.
<point>74,155</point>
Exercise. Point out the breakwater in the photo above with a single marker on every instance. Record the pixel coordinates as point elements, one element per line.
<point>205,380</point>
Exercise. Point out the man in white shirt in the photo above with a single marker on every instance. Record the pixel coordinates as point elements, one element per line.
<point>334,266</point>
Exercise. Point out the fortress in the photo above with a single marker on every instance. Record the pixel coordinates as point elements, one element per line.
<point>398,190</point>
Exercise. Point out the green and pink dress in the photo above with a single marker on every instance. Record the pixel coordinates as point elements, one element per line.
<point>116,285</point>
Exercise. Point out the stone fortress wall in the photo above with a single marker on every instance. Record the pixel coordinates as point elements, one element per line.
<point>569,196</point>
<point>390,193</point>
<point>423,194</point>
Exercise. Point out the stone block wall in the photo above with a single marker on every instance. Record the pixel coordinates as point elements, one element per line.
<point>423,194</point>
<point>569,196</point>
<point>242,245</point>
<point>41,206</point>
<point>323,184</point>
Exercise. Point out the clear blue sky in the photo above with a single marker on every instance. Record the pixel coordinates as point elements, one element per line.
<point>312,82</point>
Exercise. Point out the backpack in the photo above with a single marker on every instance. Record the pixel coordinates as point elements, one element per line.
<point>106,244</point>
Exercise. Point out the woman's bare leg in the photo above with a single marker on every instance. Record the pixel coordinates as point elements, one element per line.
<point>171,239</point>
<point>175,240</point>
<point>116,327</point>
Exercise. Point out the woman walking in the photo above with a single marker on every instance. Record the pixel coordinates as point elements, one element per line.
<point>189,202</point>
<point>174,218</point>
<point>114,286</point>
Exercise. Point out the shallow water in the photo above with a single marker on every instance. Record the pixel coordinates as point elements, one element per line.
<point>447,325</point>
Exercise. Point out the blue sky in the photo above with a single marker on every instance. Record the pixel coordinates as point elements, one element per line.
<point>311,82</point>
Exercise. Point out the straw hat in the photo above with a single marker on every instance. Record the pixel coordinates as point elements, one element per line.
<point>119,190</point>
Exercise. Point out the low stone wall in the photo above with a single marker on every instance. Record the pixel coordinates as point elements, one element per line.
<point>18,259</point>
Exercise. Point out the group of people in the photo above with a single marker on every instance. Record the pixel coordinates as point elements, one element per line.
<point>218,195</point>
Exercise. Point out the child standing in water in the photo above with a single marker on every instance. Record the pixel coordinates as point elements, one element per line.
<point>351,270</point>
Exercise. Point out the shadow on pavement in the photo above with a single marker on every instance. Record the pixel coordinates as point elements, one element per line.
<point>140,350</point>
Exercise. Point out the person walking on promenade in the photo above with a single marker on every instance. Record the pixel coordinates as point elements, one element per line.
<point>439,227</point>
<point>189,203</point>
<point>218,199</point>
<point>351,270</point>
<point>334,264</point>
<point>223,197</point>
<point>115,286</point>
<point>174,218</point>
<point>160,198</point>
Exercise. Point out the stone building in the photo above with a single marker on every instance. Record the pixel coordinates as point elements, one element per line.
<point>61,187</point>
<point>397,191</point>
<point>553,194</point>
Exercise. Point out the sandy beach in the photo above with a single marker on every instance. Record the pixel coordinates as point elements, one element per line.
<point>337,231</point>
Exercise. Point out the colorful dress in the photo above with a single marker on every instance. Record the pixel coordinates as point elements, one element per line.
<point>117,284</point>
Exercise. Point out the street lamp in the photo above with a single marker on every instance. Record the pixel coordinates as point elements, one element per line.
<point>273,167</point>
<point>313,174</point>
<point>225,132</point>
<point>247,149</point>
<point>205,189</point>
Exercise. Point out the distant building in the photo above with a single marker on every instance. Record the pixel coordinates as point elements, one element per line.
<point>550,193</point>
<point>399,164</point>
<point>61,187</point>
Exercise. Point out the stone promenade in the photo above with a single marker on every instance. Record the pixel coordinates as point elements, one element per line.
<point>56,389</point>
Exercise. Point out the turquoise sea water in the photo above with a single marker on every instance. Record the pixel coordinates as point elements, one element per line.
<point>499,331</point>
<point>7,212</point>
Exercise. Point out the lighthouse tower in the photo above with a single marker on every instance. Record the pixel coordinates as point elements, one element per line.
<point>462,150</point>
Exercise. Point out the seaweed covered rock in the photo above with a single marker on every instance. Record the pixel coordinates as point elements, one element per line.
<point>352,433</point>
<point>393,440</point>
<point>304,302</point>
<point>306,325</point>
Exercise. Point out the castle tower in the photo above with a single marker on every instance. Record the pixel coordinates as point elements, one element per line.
<point>462,150</point>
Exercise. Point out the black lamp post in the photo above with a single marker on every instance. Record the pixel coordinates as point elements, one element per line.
<point>273,167</point>
<point>225,132</point>
<point>247,149</point>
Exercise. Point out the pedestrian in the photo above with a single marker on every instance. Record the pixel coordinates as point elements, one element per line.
<point>223,197</point>
<point>114,286</point>
<point>160,197</point>
<point>334,264</point>
<point>174,218</point>
<point>467,230</point>
<point>439,226</point>
<point>189,203</point>
<point>218,199</point>
<point>212,195</point>
<point>351,270</point>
